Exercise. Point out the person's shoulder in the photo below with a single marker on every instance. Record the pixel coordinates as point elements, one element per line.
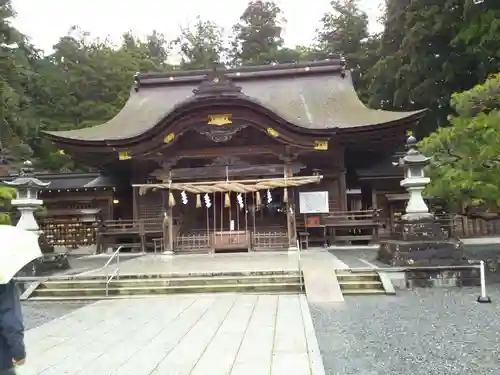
<point>8,288</point>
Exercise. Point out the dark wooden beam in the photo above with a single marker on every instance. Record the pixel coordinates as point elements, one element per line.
<point>221,171</point>
<point>213,152</point>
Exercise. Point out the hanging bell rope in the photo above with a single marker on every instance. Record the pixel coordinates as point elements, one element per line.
<point>171,198</point>
<point>258,201</point>
<point>198,201</point>
<point>285,190</point>
<point>227,199</point>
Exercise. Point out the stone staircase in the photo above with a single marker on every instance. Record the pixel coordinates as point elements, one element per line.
<point>363,283</point>
<point>127,286</point>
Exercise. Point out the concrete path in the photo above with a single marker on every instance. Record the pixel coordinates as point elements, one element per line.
<point>318,266</point>
<point>224,334</point>
<point>320,280</point>
<point>213,263</point>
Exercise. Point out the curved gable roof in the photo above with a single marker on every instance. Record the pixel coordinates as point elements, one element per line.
<point>313,96</point>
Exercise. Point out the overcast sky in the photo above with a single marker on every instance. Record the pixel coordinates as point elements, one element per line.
<point>45,21</point>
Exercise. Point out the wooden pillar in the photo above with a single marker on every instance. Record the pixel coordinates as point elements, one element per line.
<point>374,198</point>
<point>135,202</point>
<point>164,231</point>
<point>343,190</point>
<point>290,213</point>
<point>170,216</point>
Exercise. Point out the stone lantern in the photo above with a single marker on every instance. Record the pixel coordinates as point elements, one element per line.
<point>27,202</point>
<point>417,240</point>
<point>415,181</point>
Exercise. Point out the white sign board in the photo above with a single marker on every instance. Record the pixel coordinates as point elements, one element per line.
<point>313,202</point>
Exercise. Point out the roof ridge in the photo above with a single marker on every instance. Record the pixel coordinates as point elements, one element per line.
<point>336,64</point>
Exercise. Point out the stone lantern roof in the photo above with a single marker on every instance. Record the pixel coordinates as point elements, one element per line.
<point>26,178</point>
<point>413,156</point>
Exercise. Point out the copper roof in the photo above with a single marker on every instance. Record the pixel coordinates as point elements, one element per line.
<point>316,96</point>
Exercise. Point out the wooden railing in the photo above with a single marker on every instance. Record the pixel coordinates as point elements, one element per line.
<point>457,226</point>
<point>141,226</point>
<point>192,242</point>
<point>269,241</point>
<point>200,241</point>
<point>464,227</point>
<point>339,227</point>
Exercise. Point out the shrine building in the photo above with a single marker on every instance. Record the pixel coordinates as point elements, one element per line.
<point>254,158</point>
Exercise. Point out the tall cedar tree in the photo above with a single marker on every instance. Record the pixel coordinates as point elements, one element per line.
<point>429,51</point>
<point>258,34</point>
<point>344,30</point>
<point>201,45</point>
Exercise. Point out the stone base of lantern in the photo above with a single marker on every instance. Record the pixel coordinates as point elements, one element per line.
<point>422,243</point>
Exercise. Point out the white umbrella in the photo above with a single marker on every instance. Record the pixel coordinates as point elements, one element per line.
<point>18,247</point>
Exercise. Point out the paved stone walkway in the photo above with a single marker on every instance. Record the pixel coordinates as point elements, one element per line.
<point>212,263</point>
<point>226,334</point>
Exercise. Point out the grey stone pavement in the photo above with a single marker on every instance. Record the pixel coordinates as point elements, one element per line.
<point>176,335</point>
<point>420,332</point>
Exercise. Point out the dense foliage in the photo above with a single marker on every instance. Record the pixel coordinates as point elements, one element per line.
<point>466,155</point>
<point>6,195</point>
<point>428,51</point>
<point>432,49</point>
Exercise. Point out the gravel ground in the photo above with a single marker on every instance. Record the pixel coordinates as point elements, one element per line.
<point>419,332</point>
<point>37,313</point>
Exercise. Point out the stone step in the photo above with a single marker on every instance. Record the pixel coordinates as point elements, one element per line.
<point>363,292</point>
<point>184,289</point>
<point>361,284</point>
<point>199,274</point>
<point>348,276</point>
<point>175,281</point>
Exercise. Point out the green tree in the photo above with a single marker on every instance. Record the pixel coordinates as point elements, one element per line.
<point>257,36</point>
<point>86,81</point>
<point>344,30</point>
<point>294,55</point>
<point>428,51</point>
<point>201,46</point>
<point>149,55</point>
<point>466,155</point>
<point>16,77</point>
<point>6,195</point>
<point>478,36</point>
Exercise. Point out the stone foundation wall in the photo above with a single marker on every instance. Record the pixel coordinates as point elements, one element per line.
<point>421,253</point>
<point>435,278</point>
<point>443,278</point>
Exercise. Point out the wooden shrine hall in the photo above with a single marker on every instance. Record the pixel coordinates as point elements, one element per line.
<point>246,159</point>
